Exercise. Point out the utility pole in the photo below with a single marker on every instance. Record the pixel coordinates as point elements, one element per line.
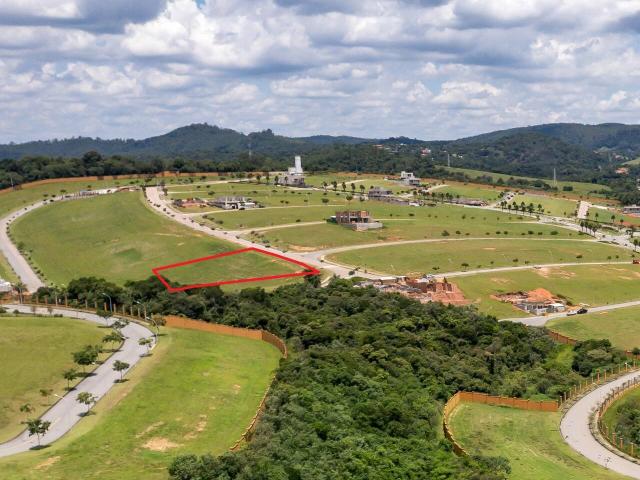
<point>555,178</point>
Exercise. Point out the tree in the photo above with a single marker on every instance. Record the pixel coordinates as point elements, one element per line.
<point>146,342</point>
<point>20,288</point>
<point>70,375</point>
<point>86,356</point>
<point>104,314</point>
<point>119,324</point>
<point>86,399</point>
<point>37,427</point>
<point>120,367</point>
<point>26,408</point>
<point>45,393</point>
<point>113,337</point>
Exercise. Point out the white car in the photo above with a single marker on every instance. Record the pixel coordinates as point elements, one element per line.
<point>571,313</point>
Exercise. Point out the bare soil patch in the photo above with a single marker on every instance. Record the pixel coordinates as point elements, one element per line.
<point>159,444</point>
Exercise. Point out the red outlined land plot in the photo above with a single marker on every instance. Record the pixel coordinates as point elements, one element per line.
<point>307,270</point>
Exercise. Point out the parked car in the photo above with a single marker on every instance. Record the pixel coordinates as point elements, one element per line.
<point>582,311</point>
<point>570,313</point>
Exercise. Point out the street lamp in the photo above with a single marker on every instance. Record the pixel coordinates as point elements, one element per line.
<point>148,319</point>
<point>110,301</point>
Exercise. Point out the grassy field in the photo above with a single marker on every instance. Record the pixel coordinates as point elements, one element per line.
<point>559,207</point>
<point>400,223</point>
<point>216,270</point>
<point>612,216</point>
<point>267,195</point>
<point>118,238</point>
<point>34,351</point>
<point>531,441</point>
<point>6,272</point>
<point>591,284</point>
<point>465,190</point>
<point>195,394</point>
<point>611,417</point>
<point>621,326</point>
<point>448,256</point>
<point>579,188</point>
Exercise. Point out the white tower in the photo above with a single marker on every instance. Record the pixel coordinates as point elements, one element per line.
<point>298,164</point>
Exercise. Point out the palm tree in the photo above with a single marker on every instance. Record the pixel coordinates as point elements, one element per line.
<point>20,287</point>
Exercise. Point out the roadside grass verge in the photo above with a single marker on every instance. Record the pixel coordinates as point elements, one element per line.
<point>196,393</point>
<point>530,440</point>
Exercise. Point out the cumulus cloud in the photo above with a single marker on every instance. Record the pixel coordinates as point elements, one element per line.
<point>421,68</point>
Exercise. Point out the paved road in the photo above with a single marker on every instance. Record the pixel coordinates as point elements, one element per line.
<point>541,320</point>
<point>20,266</point>
<point>67,411</point>
<point>577,433</point>
<point>583,210</point>
<point>161,205</point>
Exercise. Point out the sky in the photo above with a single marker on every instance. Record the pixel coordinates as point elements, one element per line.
<point>429,69</point>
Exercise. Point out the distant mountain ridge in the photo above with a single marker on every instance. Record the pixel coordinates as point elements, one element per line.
<point>520,149</point>
<point>608,136</point>
<point>196,140</point>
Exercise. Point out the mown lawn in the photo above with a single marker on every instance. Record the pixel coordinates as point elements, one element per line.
<point>450,256</point>
<point>217,269</point>
<point>558,207</point>
<point>402,223</point>
<point>119,238</point>
<point>34,352</point>
<point>591,284</point>
<point>531,441</point>
<point>483,192</point>
<point>579,188</point>
<point>621,326</point>
<point>195,394</point>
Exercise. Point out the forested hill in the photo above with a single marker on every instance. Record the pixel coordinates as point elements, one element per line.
<point>617,137</point>
<point>529,154</point>
<point>195,141</point>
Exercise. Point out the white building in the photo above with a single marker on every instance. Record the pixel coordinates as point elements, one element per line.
<point>409,179</point>
<point>631,210</point>
<point>294,177</point>
<point>5,286</point>
<point>233,203</point>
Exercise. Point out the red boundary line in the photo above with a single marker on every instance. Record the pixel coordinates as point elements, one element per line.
<point>308,270</point>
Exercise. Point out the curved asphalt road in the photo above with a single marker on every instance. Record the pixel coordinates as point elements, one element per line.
<point>575,429</point>
<point>11,253</point>
<point>67,412</point>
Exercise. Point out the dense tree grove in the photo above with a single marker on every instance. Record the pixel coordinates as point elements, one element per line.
<point>627,419</point>
<point>361,393</point>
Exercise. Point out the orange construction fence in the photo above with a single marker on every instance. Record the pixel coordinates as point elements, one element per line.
<point>475,397</point>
